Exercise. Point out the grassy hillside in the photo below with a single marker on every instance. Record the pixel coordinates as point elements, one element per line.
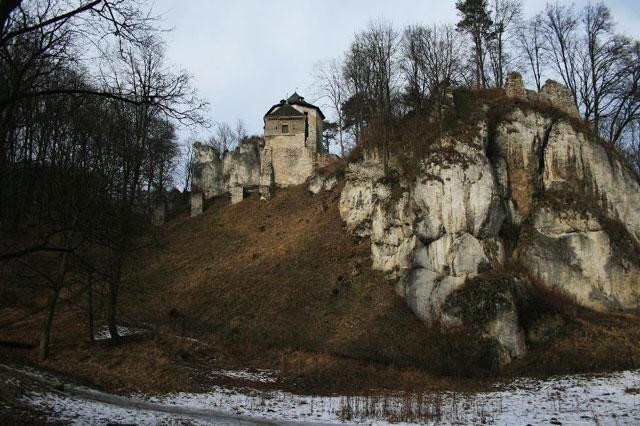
<point>281,275</point>
<point>282,285</point>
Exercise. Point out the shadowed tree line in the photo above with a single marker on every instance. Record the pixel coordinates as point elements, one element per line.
<point>88,115</point>
<point>387,73</point>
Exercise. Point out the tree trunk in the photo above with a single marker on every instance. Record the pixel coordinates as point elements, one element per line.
<point>340,137</point>
<point>45,333</point>
<point>114,286</point>
<point>90,307</point>
<point>52,300</point>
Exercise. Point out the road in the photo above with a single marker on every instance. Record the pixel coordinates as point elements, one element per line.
<point>88,402</point>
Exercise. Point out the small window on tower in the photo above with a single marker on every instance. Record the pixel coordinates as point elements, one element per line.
<point>285,128</point>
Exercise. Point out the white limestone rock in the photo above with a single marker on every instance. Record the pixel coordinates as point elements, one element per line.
<point>440,268</point>
<point>575,163</point>
<point>573,251</point>
<point>425,293</point>
<point>519,141</point>
<point>458,198</point>
<point>506,329</point>
<point>464,211</point>
<point>319,182</point>
<point>358,199</point>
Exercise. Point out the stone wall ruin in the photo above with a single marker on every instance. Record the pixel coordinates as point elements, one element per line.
<point>552,92</point>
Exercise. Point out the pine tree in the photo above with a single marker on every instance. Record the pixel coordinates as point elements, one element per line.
<point>476,21</point>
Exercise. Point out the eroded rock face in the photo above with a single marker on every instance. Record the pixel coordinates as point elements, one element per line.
<point>595,199</point>
<point>575,164</point>
<point>358,198</point>
<point>215,173</point>
<point>319,182</point>
<point>574,251</point>
<point>490,304</point>
<point>538,192</point>
<point>241,167</point>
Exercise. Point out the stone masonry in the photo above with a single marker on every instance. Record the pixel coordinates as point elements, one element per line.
<point>514,86</point>
<point>551,92</point>
<point>291,151</point>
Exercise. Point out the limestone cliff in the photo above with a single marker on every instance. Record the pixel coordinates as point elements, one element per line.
<point>529,187</point>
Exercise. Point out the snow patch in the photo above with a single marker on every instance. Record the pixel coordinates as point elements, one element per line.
<point>79,411</point>
<point>262,376</point>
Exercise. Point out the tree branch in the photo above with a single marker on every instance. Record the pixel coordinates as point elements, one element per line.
<point>45,23</point>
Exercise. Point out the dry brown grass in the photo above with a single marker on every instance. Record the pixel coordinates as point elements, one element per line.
<point>276,274</point>
<point>282,285</point>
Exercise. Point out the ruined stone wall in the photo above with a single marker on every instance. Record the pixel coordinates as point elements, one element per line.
<point>214,174</point>
<point>514,86</point>
<point>552,92</point>
<point>207,171</point>
<point>242,166</point>
<point>559,96</point>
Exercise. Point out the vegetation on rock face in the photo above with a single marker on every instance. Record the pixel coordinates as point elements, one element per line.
<point>481,299</point>
<point>585,206</point>
<point>387,73</point>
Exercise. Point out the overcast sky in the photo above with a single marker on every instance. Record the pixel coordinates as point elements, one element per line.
<point>246,55</point>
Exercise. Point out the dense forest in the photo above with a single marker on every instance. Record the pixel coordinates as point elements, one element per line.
<point>89,109</point>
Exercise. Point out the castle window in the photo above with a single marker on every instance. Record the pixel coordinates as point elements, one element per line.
<point>285,128</point>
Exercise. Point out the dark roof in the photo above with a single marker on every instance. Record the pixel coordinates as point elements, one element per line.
<point>285,110</point>
<point>294,99</point>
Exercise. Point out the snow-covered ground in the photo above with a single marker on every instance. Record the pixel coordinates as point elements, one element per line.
<point>609,399</point>
<point>264,376</point>
<point>575,400</point>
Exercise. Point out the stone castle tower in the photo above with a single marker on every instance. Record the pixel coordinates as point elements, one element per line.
<point>292,149</point>
<point>292,142</point>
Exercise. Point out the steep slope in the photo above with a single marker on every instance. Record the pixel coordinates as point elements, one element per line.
<point>284,275</point>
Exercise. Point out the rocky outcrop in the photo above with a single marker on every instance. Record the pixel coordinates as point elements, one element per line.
<point>320,182</point>
<point>530,188</point>
<point>575,202</point>
<point>359,196</point>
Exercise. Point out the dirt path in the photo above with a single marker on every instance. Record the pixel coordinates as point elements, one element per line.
<point>612,398</point>
<point>102,407</point>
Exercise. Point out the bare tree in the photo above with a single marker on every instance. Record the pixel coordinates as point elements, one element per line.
<point>529,42</point>
<point>603,63</point>
<point>560,26</point>
<point>506,17</point>
<point>621,124</point>
<point>370,71</point>
<point>240,131</point>
<point>223,137</point>
<point>443,60</point>
<point>412,63</point>
<point>331,86</point>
